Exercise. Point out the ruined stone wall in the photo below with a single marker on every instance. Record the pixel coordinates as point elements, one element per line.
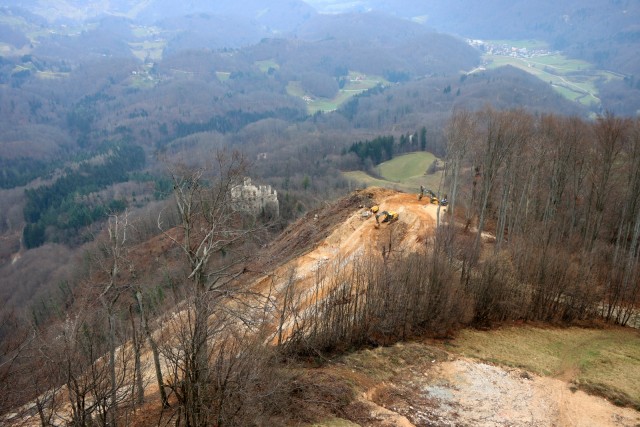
<point>256,200</point>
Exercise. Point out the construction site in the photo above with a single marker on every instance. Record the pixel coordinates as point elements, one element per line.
<point>395,379</point>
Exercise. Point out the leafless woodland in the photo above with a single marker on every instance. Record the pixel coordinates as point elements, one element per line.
<point>559,198</point>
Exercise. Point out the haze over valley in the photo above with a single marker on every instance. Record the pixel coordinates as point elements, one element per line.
<point>175,173</point>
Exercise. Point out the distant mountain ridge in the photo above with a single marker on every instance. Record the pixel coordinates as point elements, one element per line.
<point>605,32</point>
<point>276,15</point>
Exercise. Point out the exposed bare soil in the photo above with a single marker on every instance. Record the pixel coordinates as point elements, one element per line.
<point>426,390</point>
<point>457,392</point>
<point>341,229</point>
<point>465,392</point>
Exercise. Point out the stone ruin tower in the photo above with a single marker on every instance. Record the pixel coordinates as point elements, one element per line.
<point>256,200</point>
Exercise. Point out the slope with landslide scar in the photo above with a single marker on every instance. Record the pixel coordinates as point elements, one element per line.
<point>350,234</point>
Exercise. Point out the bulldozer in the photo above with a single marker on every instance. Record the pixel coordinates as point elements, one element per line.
<point>369,212</point>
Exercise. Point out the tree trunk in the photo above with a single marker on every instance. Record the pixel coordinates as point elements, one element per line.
<point>138,387</point>
<point>154,351</point>
<point>112,417</point>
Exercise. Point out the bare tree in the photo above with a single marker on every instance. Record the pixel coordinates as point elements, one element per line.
<point>459,133</point>
<point>622,284</point>
<point>16,339</point>
<point>608,131</point>
<point>137,392</point>
<point>503,132</point>
<point>209,230</point>
<point>112,259</point>
<point>154,348</point>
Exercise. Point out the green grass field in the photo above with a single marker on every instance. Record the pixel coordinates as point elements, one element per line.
<point>356,84</point>
<point>223,75</point>
<point>404,173</point>
<point>572,78</point>
<point>265,65</point>
<point>360,179</point>
<point>402,168</point>
<point>50,75</point>
<point>603,361</point>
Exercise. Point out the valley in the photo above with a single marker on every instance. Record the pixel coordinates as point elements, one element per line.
<point>319,213</point>
<point>574,79</point>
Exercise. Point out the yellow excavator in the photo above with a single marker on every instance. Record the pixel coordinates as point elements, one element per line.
<point>433,199</point>
<point>382,217</point>
<point>386,216</point>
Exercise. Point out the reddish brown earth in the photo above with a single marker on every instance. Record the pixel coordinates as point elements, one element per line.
<point>444,392</point>
<point>457,392</point>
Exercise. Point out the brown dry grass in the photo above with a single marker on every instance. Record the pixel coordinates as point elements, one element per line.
<point>603,361</point>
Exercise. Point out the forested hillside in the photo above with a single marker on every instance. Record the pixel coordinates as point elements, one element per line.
<point>127,129</point>
<point>602,32</point>
<point>534,231</point>
<point>59,112</point>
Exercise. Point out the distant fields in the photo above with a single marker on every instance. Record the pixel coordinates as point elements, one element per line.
<point>572,78</point>
<point>406,166</point>
<point>50,75</point>
<point>529,44</point>
<point>223,75</point>
<point>266,65</point>
<point>148,49</point>
<point>360,179</point>
<point>356,83</point>
<point>405,173</point>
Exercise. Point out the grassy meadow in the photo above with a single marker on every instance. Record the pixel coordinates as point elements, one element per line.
<point>266,65</point>
<point>602,361</point>
<point>356,83</point>
<point>572,78</point>
<point>405,173</point>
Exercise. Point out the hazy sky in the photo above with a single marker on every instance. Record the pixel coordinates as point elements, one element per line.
<point>333,5</point>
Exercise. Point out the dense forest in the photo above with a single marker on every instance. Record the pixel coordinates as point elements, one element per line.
<point>124,131</point>
<point>60,204</point>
